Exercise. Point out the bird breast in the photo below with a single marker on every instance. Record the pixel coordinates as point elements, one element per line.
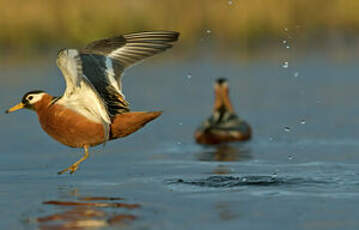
<point>69,127</point>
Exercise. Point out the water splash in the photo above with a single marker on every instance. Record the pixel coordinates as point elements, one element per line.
<point>291,156</point>
<point>275,173</point>
<point>287,129</point>
<point>189,75</point>
<point>285,65</point>
<point>230,181</point>
<point>296,74</point>
<point>230,2</point>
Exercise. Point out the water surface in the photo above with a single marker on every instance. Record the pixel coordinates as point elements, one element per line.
<point>300,171</point>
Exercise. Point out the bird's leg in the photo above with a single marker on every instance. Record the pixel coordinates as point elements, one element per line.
<point>75,165</point>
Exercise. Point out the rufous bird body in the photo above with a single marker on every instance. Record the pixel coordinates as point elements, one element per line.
<point>93,109</point>
<point>223,125</point>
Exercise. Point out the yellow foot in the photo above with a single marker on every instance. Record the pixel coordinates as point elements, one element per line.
<point>72,169</point>
<point>75,165</point>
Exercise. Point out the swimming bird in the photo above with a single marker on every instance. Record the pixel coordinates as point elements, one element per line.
<point>93,108</point>
<point>223,125</point>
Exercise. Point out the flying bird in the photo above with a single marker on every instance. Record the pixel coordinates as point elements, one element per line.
<point>223,125</point>
<point>93,108</point>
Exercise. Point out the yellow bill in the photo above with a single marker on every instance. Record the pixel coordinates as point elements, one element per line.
<point>16,107</point>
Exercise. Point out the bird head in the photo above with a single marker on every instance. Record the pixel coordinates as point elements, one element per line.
<point>28,101</point>
<point>221,83</point>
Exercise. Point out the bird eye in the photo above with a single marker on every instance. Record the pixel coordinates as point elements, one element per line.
<point>30,98</point>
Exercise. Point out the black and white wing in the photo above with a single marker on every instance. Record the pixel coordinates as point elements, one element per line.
<point>80,95</point>
<point>69,62</point>
<point>104,61</point>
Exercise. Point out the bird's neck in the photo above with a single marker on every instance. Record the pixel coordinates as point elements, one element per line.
<point>222,101</point>
<point>43,104</point>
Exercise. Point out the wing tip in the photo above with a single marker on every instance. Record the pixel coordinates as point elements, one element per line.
<point>176,35</point>
<point>168,36</point>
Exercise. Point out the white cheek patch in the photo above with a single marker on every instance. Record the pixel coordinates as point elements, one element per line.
<point>35,97</point>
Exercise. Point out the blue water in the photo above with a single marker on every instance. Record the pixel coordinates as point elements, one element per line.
<point>300,171</point>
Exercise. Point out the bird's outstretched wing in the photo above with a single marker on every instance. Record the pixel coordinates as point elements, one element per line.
<point>98,68</point>
<point>80,94</point>
<point>104,61</point>
<point>69,62</point>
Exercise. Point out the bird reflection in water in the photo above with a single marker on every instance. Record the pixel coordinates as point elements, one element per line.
<point>225,211</point>
<point>87,213</point>
<point>225,153</point>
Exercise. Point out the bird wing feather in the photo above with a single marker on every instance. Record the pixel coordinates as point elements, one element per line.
<point>80,95</point>
<point>99,66</point>
<point>105,60</point>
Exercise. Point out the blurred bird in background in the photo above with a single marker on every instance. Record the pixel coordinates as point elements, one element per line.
<point>223,125</point>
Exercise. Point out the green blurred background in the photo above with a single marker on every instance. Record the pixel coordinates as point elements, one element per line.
<point>248,26</point>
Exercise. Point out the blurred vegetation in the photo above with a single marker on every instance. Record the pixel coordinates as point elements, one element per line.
<point>36,25</point>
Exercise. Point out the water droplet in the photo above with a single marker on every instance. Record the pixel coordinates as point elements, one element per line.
<point>180,123</point>
<point>244,179</point>
<point>296,74</point>
<point>189,75</point>
<point>285,65</point>
<point>291,156</point>
<point>179,143</point>
<point>275,174</point>
<point>208,31</point>
<point>288,47</point>
<point>284,41</point>
<point>287,129</point>
<point>286,29</point>
<point>271,139</point>
<point>230,2</point>
<point>303,122</point>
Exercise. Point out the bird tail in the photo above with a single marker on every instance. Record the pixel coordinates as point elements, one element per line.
<point>126,123</point>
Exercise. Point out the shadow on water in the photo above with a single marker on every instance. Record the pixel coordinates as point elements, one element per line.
<point>86,212</point>
<point>225,153</point>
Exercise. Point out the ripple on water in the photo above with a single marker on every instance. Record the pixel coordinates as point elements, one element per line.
<point>264,185</point>
<point>231,181</point>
